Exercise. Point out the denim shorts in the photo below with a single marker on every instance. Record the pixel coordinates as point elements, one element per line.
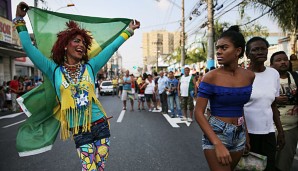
<point>232,136</point>
<point>98,131</point>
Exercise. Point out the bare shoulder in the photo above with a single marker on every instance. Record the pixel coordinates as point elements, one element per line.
<point>210,77</point>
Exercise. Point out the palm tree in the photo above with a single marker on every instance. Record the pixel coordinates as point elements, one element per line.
<point>286,13</point>
<point>197,55</point>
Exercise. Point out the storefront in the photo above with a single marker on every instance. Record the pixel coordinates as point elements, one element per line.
<point>13,60</point>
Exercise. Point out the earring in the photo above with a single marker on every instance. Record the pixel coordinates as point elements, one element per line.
<point>65,49</point>
<point>65,59</point>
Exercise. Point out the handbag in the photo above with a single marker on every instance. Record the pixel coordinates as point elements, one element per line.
<point>252,162</point>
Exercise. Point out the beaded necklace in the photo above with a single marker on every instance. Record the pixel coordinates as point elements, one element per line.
<point>73,73</point>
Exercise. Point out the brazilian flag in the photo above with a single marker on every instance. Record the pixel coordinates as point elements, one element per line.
<point>39,132</point>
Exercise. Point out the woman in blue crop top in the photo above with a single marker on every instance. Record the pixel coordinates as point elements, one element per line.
<point>72,75</point>
<point>227,88</point>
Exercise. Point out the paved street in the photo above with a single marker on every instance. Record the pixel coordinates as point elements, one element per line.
<point>140,141</point>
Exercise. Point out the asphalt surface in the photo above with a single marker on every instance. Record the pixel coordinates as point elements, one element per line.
<point>142,141</point>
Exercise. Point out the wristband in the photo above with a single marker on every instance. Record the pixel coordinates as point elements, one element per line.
<point>130,31</point>
<point>21,28</point>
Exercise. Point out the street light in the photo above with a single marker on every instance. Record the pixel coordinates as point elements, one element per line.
<point>68,5</point>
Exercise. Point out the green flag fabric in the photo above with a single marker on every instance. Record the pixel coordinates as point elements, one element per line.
<point>39,132</point>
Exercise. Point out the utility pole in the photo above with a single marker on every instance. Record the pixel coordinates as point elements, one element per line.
<point>210,52</point>
<point>156,67</point>
<point>183,36</point>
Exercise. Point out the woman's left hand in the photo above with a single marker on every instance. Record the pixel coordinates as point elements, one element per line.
<point>134,24</point>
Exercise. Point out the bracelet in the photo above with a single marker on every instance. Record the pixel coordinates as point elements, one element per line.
<point>20,24</point>
<point>18,21</point>
<point>130,31</point>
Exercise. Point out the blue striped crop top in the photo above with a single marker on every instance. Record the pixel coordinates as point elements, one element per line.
<point>225,101</point>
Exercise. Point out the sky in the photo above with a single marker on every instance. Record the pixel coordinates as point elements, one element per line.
<point>153,15</point>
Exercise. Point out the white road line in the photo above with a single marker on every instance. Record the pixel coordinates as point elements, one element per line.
<point>174,121</point>
<point>121,116</point>
<point>11,115</point>
<point>14,124</point>
<point>174,125</point>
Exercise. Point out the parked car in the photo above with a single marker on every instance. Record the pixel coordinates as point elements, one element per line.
<point>106,87</point>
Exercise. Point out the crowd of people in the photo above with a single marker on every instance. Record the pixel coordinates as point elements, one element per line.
<point>162,92</point>
<point>239,109</point>
<point>11,90</point>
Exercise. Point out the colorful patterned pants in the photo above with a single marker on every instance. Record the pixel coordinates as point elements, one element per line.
<point>93,156</point>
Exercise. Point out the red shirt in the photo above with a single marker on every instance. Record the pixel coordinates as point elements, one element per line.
<point>141,91</point>
<point>132,84</point>
<point>14,85</point>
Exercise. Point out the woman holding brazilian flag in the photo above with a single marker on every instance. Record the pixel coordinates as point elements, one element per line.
<point>67,100</point>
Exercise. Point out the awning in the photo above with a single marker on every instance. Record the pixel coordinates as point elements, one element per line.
<point>10,50</point>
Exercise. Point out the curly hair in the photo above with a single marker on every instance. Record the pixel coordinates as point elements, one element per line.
<point>73,29</point>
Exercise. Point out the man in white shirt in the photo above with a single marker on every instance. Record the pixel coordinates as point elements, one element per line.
<point>186,87</point>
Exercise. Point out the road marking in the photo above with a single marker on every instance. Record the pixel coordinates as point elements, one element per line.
<point>174,121</point>
<point>121,116</point>
<point>11,115</point>
<point>14,124</point>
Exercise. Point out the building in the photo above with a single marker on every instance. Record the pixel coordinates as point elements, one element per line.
<point>112,68</point>
<point>13,60</point>
<point>157,45</point>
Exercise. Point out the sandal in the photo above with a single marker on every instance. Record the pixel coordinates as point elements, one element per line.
<point>124,108</point>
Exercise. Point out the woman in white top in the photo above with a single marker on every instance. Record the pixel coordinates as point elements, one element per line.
<point>149,90</point>
<point>261,112</point>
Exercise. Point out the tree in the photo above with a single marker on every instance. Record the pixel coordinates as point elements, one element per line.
<point>174,57</point>
<point>253,29</point>
<point>248,31</point>
<point>196,55</point>
<point>219,28</point>
<point>286,13</point>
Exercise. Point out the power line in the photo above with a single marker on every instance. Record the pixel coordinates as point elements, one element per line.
<point>167,17</point>
<point>201,26</point>
<point>160,24</point>
<point>263,14</point>
<point>229,9</point>
<point>193,20</point>
<point>225,7</point>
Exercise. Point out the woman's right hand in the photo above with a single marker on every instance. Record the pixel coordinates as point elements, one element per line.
<point>22,9</point>
<point>222,154</point>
